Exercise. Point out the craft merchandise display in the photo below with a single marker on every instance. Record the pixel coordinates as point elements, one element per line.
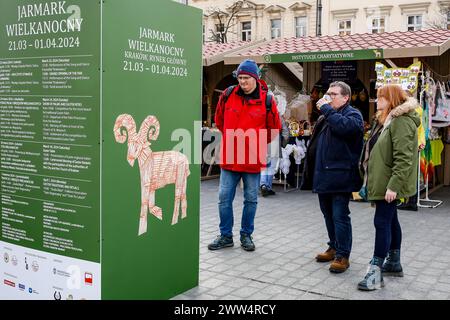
<point>406,77</point>
<point>298,150</point>
<point>433,99</point>
<point>441,111</point>
<point>297,116</point>
<point>280,99</point>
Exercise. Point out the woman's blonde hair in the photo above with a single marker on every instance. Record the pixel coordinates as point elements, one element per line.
<point>394,95</point>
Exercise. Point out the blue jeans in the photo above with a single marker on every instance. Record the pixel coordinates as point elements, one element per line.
<point>388,233</point>
<point>267,174</point>
<point>335,210</point>
<point>227,190</point>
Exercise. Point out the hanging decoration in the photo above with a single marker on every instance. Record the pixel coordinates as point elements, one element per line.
<point>280,99</point>
<point>406,77</point>
<point>298,150</point>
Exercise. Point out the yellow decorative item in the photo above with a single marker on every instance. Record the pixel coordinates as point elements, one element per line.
<point>420,130</point>
<point>437,146</point>
<point>293,127</point>
<point>407,78</point>
<point>304,128</point>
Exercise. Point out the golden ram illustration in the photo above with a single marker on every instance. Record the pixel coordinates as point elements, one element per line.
<point>157,169</point>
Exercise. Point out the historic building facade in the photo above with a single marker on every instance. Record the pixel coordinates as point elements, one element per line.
<point>268,19</point>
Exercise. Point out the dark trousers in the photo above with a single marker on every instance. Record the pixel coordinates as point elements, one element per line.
<point>388,233</point>
<point>334,207</point>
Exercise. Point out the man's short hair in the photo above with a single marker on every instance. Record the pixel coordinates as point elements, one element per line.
<point>345,88</point>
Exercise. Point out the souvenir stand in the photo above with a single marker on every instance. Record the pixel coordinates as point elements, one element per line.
<point>435,101</point>
<point>295,116</point>
<point>346,58</point>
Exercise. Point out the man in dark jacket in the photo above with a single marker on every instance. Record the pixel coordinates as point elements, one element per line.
<point>334,153</point>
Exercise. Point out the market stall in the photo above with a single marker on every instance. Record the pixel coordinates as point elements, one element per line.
<point>413,59</point>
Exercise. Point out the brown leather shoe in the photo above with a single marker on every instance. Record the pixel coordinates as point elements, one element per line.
<point>339,265</point>
<point>328,255</point>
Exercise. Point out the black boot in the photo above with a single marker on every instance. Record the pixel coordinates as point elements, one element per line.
<point>392,266</point>
<point>410,205</point>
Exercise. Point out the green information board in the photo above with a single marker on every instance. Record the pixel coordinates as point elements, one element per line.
<point>325,56</point>
<point>98,171</point>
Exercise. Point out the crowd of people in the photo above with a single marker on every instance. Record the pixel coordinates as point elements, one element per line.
<point>338,162</point>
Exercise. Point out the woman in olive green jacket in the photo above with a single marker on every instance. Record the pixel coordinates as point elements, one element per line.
<point>392,174</point>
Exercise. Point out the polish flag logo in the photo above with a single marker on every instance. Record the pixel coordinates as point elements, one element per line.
<point>88,278</point>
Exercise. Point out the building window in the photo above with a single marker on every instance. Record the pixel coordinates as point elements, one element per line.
<point>378,25</point>
<point>220,28</point>
<point>275,28</point>
<point>246,31</point>
<point>414,22</point>
<point>344,27</point>
<point>300,27</point>
<point>220,32</point>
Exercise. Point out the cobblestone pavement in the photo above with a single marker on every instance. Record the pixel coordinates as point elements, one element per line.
<point>290,231</point>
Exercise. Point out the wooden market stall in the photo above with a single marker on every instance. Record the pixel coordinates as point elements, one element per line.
<point>354,59</point>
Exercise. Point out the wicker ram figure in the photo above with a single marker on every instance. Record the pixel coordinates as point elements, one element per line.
<point>157,169</point>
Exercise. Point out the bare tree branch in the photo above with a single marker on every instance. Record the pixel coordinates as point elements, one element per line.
<point>226,22</point>
<point>439,19</point>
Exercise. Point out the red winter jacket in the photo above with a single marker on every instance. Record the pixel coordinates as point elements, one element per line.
<point>246,129</point>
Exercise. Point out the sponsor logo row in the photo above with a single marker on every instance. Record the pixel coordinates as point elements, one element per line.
<point>14,261</point>
<point>88,278</point>
<point>20,286</point>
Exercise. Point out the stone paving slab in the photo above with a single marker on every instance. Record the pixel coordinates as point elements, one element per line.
<point>290,231</point>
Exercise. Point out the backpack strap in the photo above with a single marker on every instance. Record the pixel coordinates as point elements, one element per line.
<point>269,97</point>
<point>228,92</point>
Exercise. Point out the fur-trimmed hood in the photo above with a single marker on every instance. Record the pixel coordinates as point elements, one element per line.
<point>409,105</point>
<point>405,109</point>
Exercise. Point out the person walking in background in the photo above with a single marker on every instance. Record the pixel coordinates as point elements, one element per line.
<point>247,126</point>
<point>332,165</point>
<point>273,155</point>
<point>392,175</point>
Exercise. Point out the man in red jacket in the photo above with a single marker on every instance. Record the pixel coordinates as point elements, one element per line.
<point>247,126</point>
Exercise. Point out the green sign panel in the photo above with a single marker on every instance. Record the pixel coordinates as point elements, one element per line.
<point>99,186</point>
<point>325,56</point>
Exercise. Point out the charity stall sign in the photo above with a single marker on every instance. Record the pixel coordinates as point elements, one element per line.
<point>370,54</point>
<point>339,71</point>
